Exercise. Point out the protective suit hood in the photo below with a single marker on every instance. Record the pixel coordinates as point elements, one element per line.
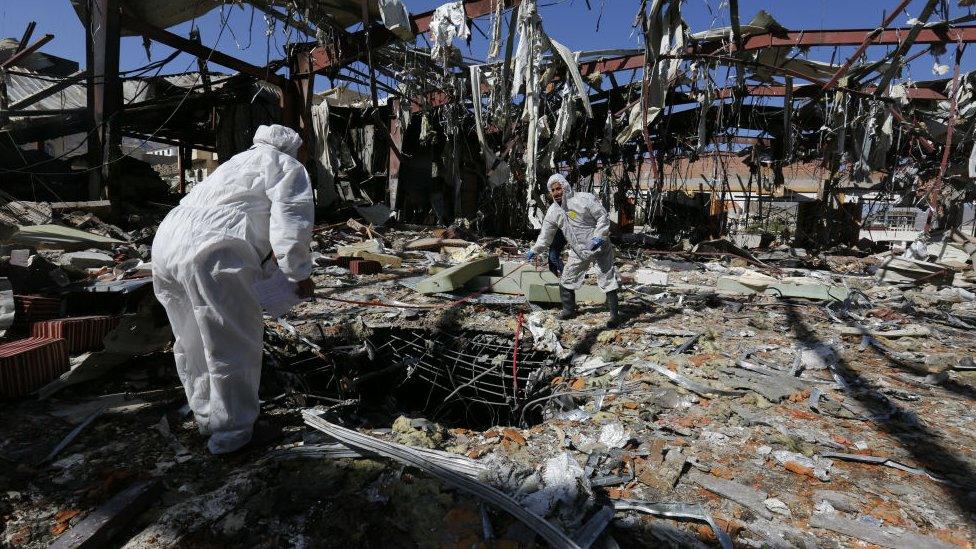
<point>567,188</point>
<point>284,139</point>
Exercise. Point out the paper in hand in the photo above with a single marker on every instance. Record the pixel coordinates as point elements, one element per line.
<point>276,294</point>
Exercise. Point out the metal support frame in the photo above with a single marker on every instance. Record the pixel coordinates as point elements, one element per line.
<point>854,37</point>
<point>132,23</point>
<point>22,53</point>
<point>183,163</point>
<point>837,37</point>
<point>355,46</point>
<point>104,95</point>
<point>296,104</point>
<point>865,43</point>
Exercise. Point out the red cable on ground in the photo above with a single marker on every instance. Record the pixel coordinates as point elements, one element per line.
<point>377,303</point>
<point>518,341</point>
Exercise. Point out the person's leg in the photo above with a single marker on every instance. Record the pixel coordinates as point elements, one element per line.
<point>609,282</point>
<point>191,363</point>
<point>556,264</point>
<point>232,332</point>
<point>571,280</point>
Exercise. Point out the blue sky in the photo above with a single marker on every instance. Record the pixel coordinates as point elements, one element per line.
<point>569,21</point>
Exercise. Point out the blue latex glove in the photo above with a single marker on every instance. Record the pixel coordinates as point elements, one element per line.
<point>596,243</point>
<point>530,255</point>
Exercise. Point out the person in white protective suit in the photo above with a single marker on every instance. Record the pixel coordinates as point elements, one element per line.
<point>586,225</point>
<point>207,254</point>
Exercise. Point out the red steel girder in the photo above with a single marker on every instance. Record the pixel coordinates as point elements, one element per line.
<point>809,90</point>
<point>855,37</point>
<point>804,38</point>
<point>191,47</point>
<point>636,61</point>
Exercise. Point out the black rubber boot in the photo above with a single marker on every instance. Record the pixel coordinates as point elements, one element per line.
<point>568,298</point>
<point>613,303</point>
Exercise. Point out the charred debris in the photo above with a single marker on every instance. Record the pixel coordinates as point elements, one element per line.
<point>793,213</point>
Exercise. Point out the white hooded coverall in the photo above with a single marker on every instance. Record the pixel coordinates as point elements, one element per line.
<point>207,254</point>
<point>581,217</point>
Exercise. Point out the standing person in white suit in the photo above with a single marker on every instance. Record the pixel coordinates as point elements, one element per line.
<point>586,225</point>
<point>253,215</point>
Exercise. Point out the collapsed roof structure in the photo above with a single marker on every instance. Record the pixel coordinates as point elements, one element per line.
<point>729,112</point>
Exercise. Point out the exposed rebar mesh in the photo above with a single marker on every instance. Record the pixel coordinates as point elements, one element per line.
<point>476,366</point>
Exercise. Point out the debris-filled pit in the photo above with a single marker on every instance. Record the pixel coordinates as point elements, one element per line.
<point>464,379</point>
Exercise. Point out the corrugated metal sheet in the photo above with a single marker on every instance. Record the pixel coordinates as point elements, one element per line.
<point>21,86</point>
<point>82,333</point>
<point>25,83</point>
<point>26,365</point>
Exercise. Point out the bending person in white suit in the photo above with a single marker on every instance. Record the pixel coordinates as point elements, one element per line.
<point>207,254</point>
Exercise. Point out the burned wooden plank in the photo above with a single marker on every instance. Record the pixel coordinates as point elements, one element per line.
<point>98,528</point>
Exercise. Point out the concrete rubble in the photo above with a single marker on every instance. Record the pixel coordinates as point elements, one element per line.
<point>780,420</point>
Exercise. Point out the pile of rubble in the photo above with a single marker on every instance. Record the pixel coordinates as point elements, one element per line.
<point>751,399</point>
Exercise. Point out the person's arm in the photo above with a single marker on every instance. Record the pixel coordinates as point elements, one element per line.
<point>548,232</point>
<point>292,216</point>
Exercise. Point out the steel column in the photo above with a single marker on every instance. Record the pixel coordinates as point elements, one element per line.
<point>104,95</point>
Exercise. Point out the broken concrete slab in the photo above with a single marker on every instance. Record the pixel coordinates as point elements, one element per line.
<point>821,292</point>
<point>549,293</point>
<point>842,501</point>
<point>350,250</point>
<point>651,276</point>
<point>746,496</point>
<point>896,270</point>
<point>60,238</point>
<point>386,260</point>
<point>894,538</point>
<point>184,519</point>
<point>136,335</point>
<point>457,276</point>
<point>498,284</point>
<point>908,331</point>
<point>513,279</point>
<point>86,260</point>
<point>771,388</point>
<point>97,207</point>
<point>436,243</point>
